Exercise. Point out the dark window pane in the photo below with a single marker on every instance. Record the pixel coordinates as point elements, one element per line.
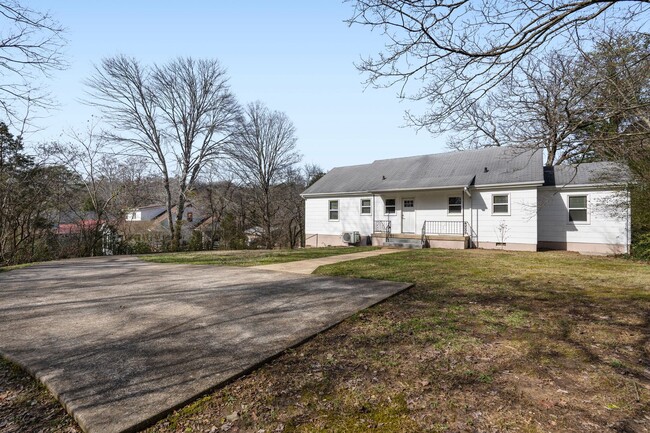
<point>578,215</point>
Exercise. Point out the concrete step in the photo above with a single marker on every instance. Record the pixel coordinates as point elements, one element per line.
<point>404,243</point>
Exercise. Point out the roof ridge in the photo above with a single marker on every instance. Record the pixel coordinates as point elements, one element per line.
<point>451,152</point>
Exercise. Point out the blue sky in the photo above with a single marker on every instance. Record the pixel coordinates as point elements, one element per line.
<point>295,56</point>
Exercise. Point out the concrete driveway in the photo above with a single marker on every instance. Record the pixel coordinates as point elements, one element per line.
<point>122,342</point>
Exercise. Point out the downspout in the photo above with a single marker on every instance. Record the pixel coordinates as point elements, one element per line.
<point>471,216</point>
<point>372,230</point>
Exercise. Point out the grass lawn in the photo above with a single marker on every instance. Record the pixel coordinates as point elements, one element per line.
<point>487,341</point>
<point>250,257</point>
<point>12,267</point>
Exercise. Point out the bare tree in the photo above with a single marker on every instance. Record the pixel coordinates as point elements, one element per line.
<point>541,106</point>
<point>179,115</point>
<point>31,45</point>
<point>262,152</point>
<point>456,51</point>
<point>617,75</point>
<point>84,154</point>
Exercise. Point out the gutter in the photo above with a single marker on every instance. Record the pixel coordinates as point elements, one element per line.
<point>333,194</point>
<point>509,185</point>
<point>428,188</point>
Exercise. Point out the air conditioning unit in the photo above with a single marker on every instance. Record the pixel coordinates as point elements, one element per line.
<point>351,237</point>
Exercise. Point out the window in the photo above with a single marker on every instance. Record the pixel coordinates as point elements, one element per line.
<point>455,205</point>
<point>190,217</point>
<point>365,206</point>
<point>501,204</point>
<point>578,208</point>
<point>334,210</point>
<point>390,206</point>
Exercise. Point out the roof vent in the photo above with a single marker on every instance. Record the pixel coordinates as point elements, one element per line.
<point>383,178</point>
<point>485,170</point>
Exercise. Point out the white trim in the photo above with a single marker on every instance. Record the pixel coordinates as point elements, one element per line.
<point>428,188</point>
<point>361,206</point>
<point>330,210</point>
<point>492,205</point>
<point>587,208</point>
<point>334,194</point>
<point>597,187</point>
<point>395,206</point>
<point>507,185</point>
<point>462,205</point>
<point>403,199</point>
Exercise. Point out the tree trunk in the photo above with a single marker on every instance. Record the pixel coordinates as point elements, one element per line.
<point>180,210</point>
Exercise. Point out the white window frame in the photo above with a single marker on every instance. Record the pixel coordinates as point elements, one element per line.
<point>369,207</point>
<point>394,205</point>
<point>492,212</point>
<point>586,208</point>
<point>460,212</point>
<point>330,210</point>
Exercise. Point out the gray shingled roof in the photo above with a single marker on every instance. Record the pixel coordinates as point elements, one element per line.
<point>452,169</point>
<point>592,173</point>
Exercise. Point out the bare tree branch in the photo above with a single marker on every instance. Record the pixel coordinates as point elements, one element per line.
<point>31,44</point>
<point>263,151</point>
<point>178,115</point>
<point>452,53</point>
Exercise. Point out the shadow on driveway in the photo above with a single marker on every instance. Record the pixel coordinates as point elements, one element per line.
<point>122,342</point>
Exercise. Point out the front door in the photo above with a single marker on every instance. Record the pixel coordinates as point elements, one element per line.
<point>408,215</point>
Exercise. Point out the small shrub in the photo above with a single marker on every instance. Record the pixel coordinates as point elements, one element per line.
<point>641,246</point>
<point>139,247</point>
<point>196,242</point>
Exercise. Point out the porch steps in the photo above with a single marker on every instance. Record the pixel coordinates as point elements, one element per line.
<point>404,243</point>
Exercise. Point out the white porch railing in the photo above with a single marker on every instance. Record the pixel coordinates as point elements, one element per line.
<point>444,228</point>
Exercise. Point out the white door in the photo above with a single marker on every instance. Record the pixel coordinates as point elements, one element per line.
<point>408,215</point>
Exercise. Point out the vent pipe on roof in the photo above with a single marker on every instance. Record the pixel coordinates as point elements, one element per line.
<point>485,170</point>
<point>383,178</point>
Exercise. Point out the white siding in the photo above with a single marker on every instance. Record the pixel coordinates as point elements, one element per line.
<point>607,220</point>
<point>350,218</point>
<point>519,227</point>
<point>429,206</point>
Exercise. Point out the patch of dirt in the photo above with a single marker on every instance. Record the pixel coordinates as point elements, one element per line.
<point>26,406</point>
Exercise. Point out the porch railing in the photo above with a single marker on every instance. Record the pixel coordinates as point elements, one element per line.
<point>383,226</point>
<point>444,228</point>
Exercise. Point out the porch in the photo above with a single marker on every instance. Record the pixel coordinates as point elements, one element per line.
<point>433,234</point>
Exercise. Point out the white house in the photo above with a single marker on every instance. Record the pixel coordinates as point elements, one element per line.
<point>488,198</point>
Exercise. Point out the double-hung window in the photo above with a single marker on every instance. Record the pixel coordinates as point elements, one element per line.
<point>365,206</point>
<point>578,208</point>
<point>390,206</point>
<point>454,205</point>
<point>333,210</point>
<point>501,204</point>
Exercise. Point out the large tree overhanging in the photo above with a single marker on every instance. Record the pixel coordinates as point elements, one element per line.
<point>459,50</point>
<point>179,115</point>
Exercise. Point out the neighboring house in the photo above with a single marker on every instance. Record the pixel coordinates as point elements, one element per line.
<point>149,224</point>
<point>145,213</point>
<point>489,198</point>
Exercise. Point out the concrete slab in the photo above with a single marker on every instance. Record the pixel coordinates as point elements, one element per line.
<point>306,267</point>
<point>122,342</point>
